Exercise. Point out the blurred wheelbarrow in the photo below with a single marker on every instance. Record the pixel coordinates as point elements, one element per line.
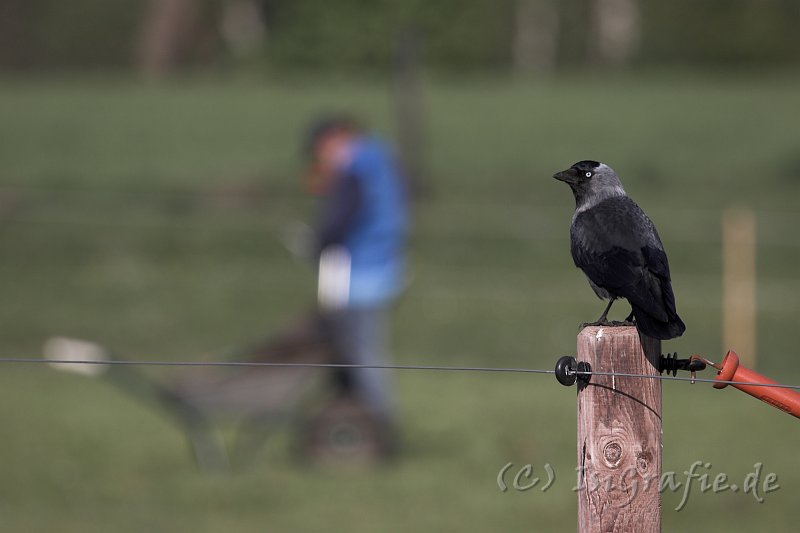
<point>328,422</point>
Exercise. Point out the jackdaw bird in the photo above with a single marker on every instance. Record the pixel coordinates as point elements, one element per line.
<point>619,250</point>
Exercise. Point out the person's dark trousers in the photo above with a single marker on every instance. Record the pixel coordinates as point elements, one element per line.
<point>361,336</point>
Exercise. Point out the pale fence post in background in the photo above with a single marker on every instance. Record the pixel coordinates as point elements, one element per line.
<point>739,283</point>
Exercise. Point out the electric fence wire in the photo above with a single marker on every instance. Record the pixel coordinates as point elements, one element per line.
<point>443,368</point>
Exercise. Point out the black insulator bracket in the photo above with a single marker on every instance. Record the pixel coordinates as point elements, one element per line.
<point>569,370</point>
<point>671,364</point>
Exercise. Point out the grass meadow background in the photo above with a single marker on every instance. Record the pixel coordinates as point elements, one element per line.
<point>150,218</point>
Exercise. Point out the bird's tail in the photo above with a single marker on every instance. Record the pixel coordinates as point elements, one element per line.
<point>657,329</point>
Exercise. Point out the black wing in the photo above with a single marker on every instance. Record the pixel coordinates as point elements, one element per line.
<point>619,249</point>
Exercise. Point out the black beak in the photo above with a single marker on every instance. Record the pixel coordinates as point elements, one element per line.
<point>568,176</point>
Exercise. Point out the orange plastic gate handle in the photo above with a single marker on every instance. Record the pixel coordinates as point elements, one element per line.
<point>786,400</point>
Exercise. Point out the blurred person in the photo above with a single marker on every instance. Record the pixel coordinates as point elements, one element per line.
<point>360,242</point>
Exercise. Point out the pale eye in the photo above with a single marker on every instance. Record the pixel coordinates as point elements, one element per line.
<point>588,174</point>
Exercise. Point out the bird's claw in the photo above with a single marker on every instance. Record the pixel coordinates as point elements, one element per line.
<point>620,323</point>
<point>607,324</point>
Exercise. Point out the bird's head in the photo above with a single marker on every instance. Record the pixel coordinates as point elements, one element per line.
<point>591,182</point>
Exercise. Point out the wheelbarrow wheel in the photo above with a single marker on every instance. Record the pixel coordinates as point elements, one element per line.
<point>343,431</point>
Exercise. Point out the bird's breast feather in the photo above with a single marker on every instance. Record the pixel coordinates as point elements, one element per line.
<point>615,223</point>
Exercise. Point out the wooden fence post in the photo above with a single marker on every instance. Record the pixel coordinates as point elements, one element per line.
<point>619,433</point>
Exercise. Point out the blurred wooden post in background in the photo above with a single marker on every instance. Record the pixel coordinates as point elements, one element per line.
<point>535,39</point>
<point>619,433</point>
<point>616,31</point>
<point>166,30</point>
<point>739,284</point>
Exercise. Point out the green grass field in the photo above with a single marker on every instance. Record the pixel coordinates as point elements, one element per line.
<point>150,219</point>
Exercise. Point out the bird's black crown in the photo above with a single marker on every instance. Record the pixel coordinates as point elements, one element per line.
<point>586,165</point>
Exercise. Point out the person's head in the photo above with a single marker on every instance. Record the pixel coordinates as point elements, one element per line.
<point>327,146</point>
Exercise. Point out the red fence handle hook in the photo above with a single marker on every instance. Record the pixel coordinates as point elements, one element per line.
<point>786,400</point>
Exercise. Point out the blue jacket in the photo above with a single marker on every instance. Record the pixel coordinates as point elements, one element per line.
<point>366,212</point>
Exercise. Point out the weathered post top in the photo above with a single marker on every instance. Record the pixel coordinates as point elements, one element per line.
<point>619,433</point>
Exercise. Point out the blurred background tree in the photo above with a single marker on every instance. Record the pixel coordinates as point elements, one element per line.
<point>458,35</point>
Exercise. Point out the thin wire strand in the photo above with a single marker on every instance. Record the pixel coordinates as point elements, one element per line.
<point>25,360</point>
<point>124,362</point>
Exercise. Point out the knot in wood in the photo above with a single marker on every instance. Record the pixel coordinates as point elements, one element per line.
<point>612,453</point>
<point>643,459</point>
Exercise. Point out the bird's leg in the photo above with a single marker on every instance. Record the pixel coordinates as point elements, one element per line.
<point>604,316</point>
<point>603,320</point>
